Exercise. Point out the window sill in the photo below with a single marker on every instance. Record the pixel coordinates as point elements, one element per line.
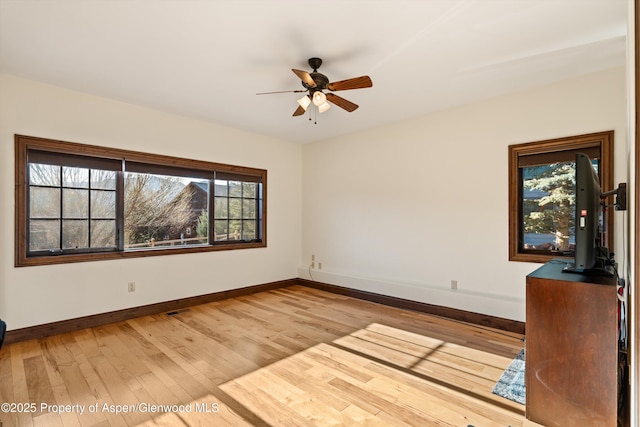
<point>539,258</point>
<point>136,253</point>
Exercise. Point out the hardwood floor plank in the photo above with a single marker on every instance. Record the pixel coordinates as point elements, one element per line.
<point>48,420</point>
<point>292,356</point>
<point>20,386</point>
<point>7,385</point>
<point>118,390</point>
<point>58,386</point>
<point>339,363</point>
<point>272,411</point>
<point>38,384</point>
<point>378,403</point>
<point>442,407</point>
<point>478,406</point>
<point>364,418</point>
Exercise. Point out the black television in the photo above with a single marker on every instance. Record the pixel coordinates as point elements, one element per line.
<point>590,256</point>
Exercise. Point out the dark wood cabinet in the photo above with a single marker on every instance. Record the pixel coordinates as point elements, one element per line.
<point>571,348</point>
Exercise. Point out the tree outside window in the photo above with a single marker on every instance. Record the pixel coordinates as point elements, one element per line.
<point>161,210</point>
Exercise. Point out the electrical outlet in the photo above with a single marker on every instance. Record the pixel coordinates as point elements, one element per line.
<point>313,261</point>
<point>319,266</point>
<point>131,286</point>
<point>454,285</point>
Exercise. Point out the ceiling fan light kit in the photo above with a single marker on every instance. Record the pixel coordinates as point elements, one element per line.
<point>315,83</point>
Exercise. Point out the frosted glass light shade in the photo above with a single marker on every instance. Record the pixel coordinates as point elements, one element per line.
<point>324,107</point>
<point>304,102</point>
<point>319,98</point>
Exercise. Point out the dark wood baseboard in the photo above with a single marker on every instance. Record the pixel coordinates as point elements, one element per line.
<point>450,313</point>
<point>48,329</point>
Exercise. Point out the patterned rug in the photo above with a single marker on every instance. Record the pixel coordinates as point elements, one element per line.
<point>511,383</point>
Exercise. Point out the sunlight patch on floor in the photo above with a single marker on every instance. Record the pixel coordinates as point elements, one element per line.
<point>359,376</point>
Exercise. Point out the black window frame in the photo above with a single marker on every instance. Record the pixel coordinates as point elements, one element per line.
<point>597,145</point>
<point>95,157</point>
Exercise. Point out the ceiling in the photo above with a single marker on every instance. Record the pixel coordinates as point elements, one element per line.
<point>208,58</point>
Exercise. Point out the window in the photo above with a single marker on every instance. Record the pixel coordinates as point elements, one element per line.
<point>237,208</point>
<point>165,206</point>
<point>542,194</point>
<point>76,202</point>
<point>71,208</point>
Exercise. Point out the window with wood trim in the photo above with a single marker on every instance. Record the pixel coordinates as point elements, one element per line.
<point>76,202</point>
<point>542,194</point>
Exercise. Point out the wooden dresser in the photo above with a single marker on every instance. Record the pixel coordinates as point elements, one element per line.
<point>571,348</point>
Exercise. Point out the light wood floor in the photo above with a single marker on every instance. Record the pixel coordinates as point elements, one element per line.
<point>293,356</point>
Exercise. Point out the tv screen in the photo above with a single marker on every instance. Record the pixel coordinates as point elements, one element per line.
<point>590,256</point>
<point>588,212</point>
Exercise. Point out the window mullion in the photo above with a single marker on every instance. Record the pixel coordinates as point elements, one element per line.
<point>228,211</point>
<point>242,211</point>
<point>258,226</point>
<point>211,217</point>
<point>89,215</point>
<point>61,188</point>
<point>120,208</point>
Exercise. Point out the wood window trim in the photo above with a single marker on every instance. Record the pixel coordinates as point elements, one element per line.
<point>23,144</point>
<point>601,140</point>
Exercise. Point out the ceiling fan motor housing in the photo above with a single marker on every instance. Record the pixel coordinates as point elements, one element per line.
<point>315,63</point>
<point>320,79</point>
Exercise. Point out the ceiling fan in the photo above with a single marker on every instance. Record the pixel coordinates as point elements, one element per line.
<point>316,83</point>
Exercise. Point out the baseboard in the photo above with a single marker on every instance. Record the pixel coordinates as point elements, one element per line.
<point>450,313</point>
<point>48,329</point>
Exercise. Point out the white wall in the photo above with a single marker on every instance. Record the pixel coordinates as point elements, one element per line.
<point>404,209</point>
<point>36,295</point>
<point>400,210</point>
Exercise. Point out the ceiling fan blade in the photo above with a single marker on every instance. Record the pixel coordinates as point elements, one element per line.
<point>341,102</point>
<point>299,111</point>
<point>354,83</point>
<point>281,91</point>
<point>305,77</point>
